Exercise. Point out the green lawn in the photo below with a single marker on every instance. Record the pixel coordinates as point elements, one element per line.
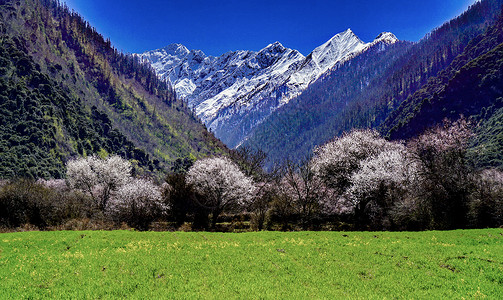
<point>274,265</point>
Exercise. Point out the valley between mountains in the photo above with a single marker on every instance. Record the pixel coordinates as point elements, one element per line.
<point>236,91</point>
<point>286,104</point>
<point>77,95</point>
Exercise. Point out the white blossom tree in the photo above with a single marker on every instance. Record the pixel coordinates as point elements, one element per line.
<point>364,170</point>
<point>380,183</point>
<point>336,161</point>
<point>98,177</point>
<point>138,202</point>
<point>221,184</point>
<point>54,184</point>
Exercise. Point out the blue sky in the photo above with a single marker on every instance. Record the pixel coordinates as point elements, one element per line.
<point>216,27</point>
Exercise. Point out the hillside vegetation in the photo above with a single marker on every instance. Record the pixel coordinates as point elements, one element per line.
<point>67,92</point>
<point>470,86</point>
<point>265,265</point>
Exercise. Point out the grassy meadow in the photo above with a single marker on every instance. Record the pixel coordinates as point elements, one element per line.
<point>273,265</point>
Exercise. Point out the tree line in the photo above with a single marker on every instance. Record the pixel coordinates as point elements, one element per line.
<point>358,181</point>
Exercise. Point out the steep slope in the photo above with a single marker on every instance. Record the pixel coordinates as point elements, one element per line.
<point>234,92</point>
<point>338,49</point>
<point>471,86</point>
<point>65,91</point>
<point>365,91</point>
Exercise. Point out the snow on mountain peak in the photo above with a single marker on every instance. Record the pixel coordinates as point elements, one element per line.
<point>275,47</point>
<point>339,45</point>
<point>176,50</point>
<point>270,54</point>
<point>236,91</point>
<point>348,34</point>
<point>196,56</point>
<point>387,37</point>
<point>339,48</point>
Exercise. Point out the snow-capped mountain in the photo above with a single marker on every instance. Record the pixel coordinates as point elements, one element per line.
<point>236,91</point>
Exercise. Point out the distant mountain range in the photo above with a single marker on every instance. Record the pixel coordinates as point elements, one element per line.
<point>236,91</point>
<point>286,104</point>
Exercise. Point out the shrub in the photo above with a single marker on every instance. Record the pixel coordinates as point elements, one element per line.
<point>41,203</point>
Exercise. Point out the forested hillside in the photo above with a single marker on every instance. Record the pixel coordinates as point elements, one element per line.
<point>66,91</point>
<point>363,92</point>
<point>470,86</point>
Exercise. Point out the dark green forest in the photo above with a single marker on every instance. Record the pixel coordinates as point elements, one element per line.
<point>471,86</point>
<point>66,92</point>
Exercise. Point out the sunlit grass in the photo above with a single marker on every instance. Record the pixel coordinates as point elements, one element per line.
<point>148,265</point>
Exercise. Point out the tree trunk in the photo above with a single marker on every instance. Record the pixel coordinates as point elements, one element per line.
<point>214,217</point>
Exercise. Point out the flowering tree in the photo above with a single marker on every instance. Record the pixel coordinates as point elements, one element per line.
<point>368,174</point>
<point>98,177</point>
<point>139,202</point>
<point>336,161</point>
<point>54,184</point>
<point>221,184</point>
<point>380,183</point>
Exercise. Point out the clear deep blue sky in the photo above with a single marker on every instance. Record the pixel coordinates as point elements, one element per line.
<point>223,25</point>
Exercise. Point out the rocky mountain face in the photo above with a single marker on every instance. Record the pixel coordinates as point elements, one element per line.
<point>236,91</point>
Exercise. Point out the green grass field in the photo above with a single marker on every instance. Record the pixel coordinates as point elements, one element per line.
<point>274,265</point>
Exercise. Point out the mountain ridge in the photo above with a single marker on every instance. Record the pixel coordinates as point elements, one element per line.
<point>249,85</point>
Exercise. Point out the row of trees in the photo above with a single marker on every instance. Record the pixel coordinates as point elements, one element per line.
<point>359,180</point>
